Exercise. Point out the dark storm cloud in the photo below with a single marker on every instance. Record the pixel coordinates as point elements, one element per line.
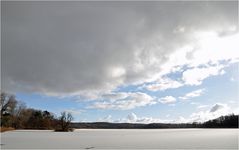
<point>69,47</point>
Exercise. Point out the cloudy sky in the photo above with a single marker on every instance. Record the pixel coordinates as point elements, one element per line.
<point>123,61</point>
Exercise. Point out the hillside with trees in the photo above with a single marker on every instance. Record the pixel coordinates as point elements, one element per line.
<point>230,121</point>
<point>15,114</point>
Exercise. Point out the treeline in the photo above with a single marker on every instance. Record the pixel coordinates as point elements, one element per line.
<point>230,121</point>
<point>107,125</point>
<point>15,114</point>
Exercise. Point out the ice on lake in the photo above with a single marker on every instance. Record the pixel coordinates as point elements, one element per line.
<point>122,139</point>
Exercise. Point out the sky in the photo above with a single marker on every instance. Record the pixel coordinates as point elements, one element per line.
<point>135,62</point>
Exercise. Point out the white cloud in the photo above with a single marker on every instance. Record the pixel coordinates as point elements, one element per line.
<point>210,112</point>
<point>133,118</point>
<point>212,47</point>
<point>215,111</point>
<point>131,101</point>
<point>195,76</point>
<point>167,100</point>
<point>164,84</point>
<point>208,46</point>
<point>192,94</point>
<point>180,119</point>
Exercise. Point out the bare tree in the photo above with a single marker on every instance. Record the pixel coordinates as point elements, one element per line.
<point>18,116</point>
<point>7,107</point>
<point>8,103</point>
<point>65,120</point>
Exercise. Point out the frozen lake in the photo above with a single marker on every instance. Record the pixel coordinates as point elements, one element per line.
<point>122,139</point>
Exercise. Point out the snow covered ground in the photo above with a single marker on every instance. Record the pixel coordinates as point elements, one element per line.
<point>122,139</point>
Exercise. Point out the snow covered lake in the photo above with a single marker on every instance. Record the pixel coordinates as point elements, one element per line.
<point>122,139</point>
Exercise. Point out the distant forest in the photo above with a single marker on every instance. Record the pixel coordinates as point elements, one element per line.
<point>15,114</point>
<point>230,121</point>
